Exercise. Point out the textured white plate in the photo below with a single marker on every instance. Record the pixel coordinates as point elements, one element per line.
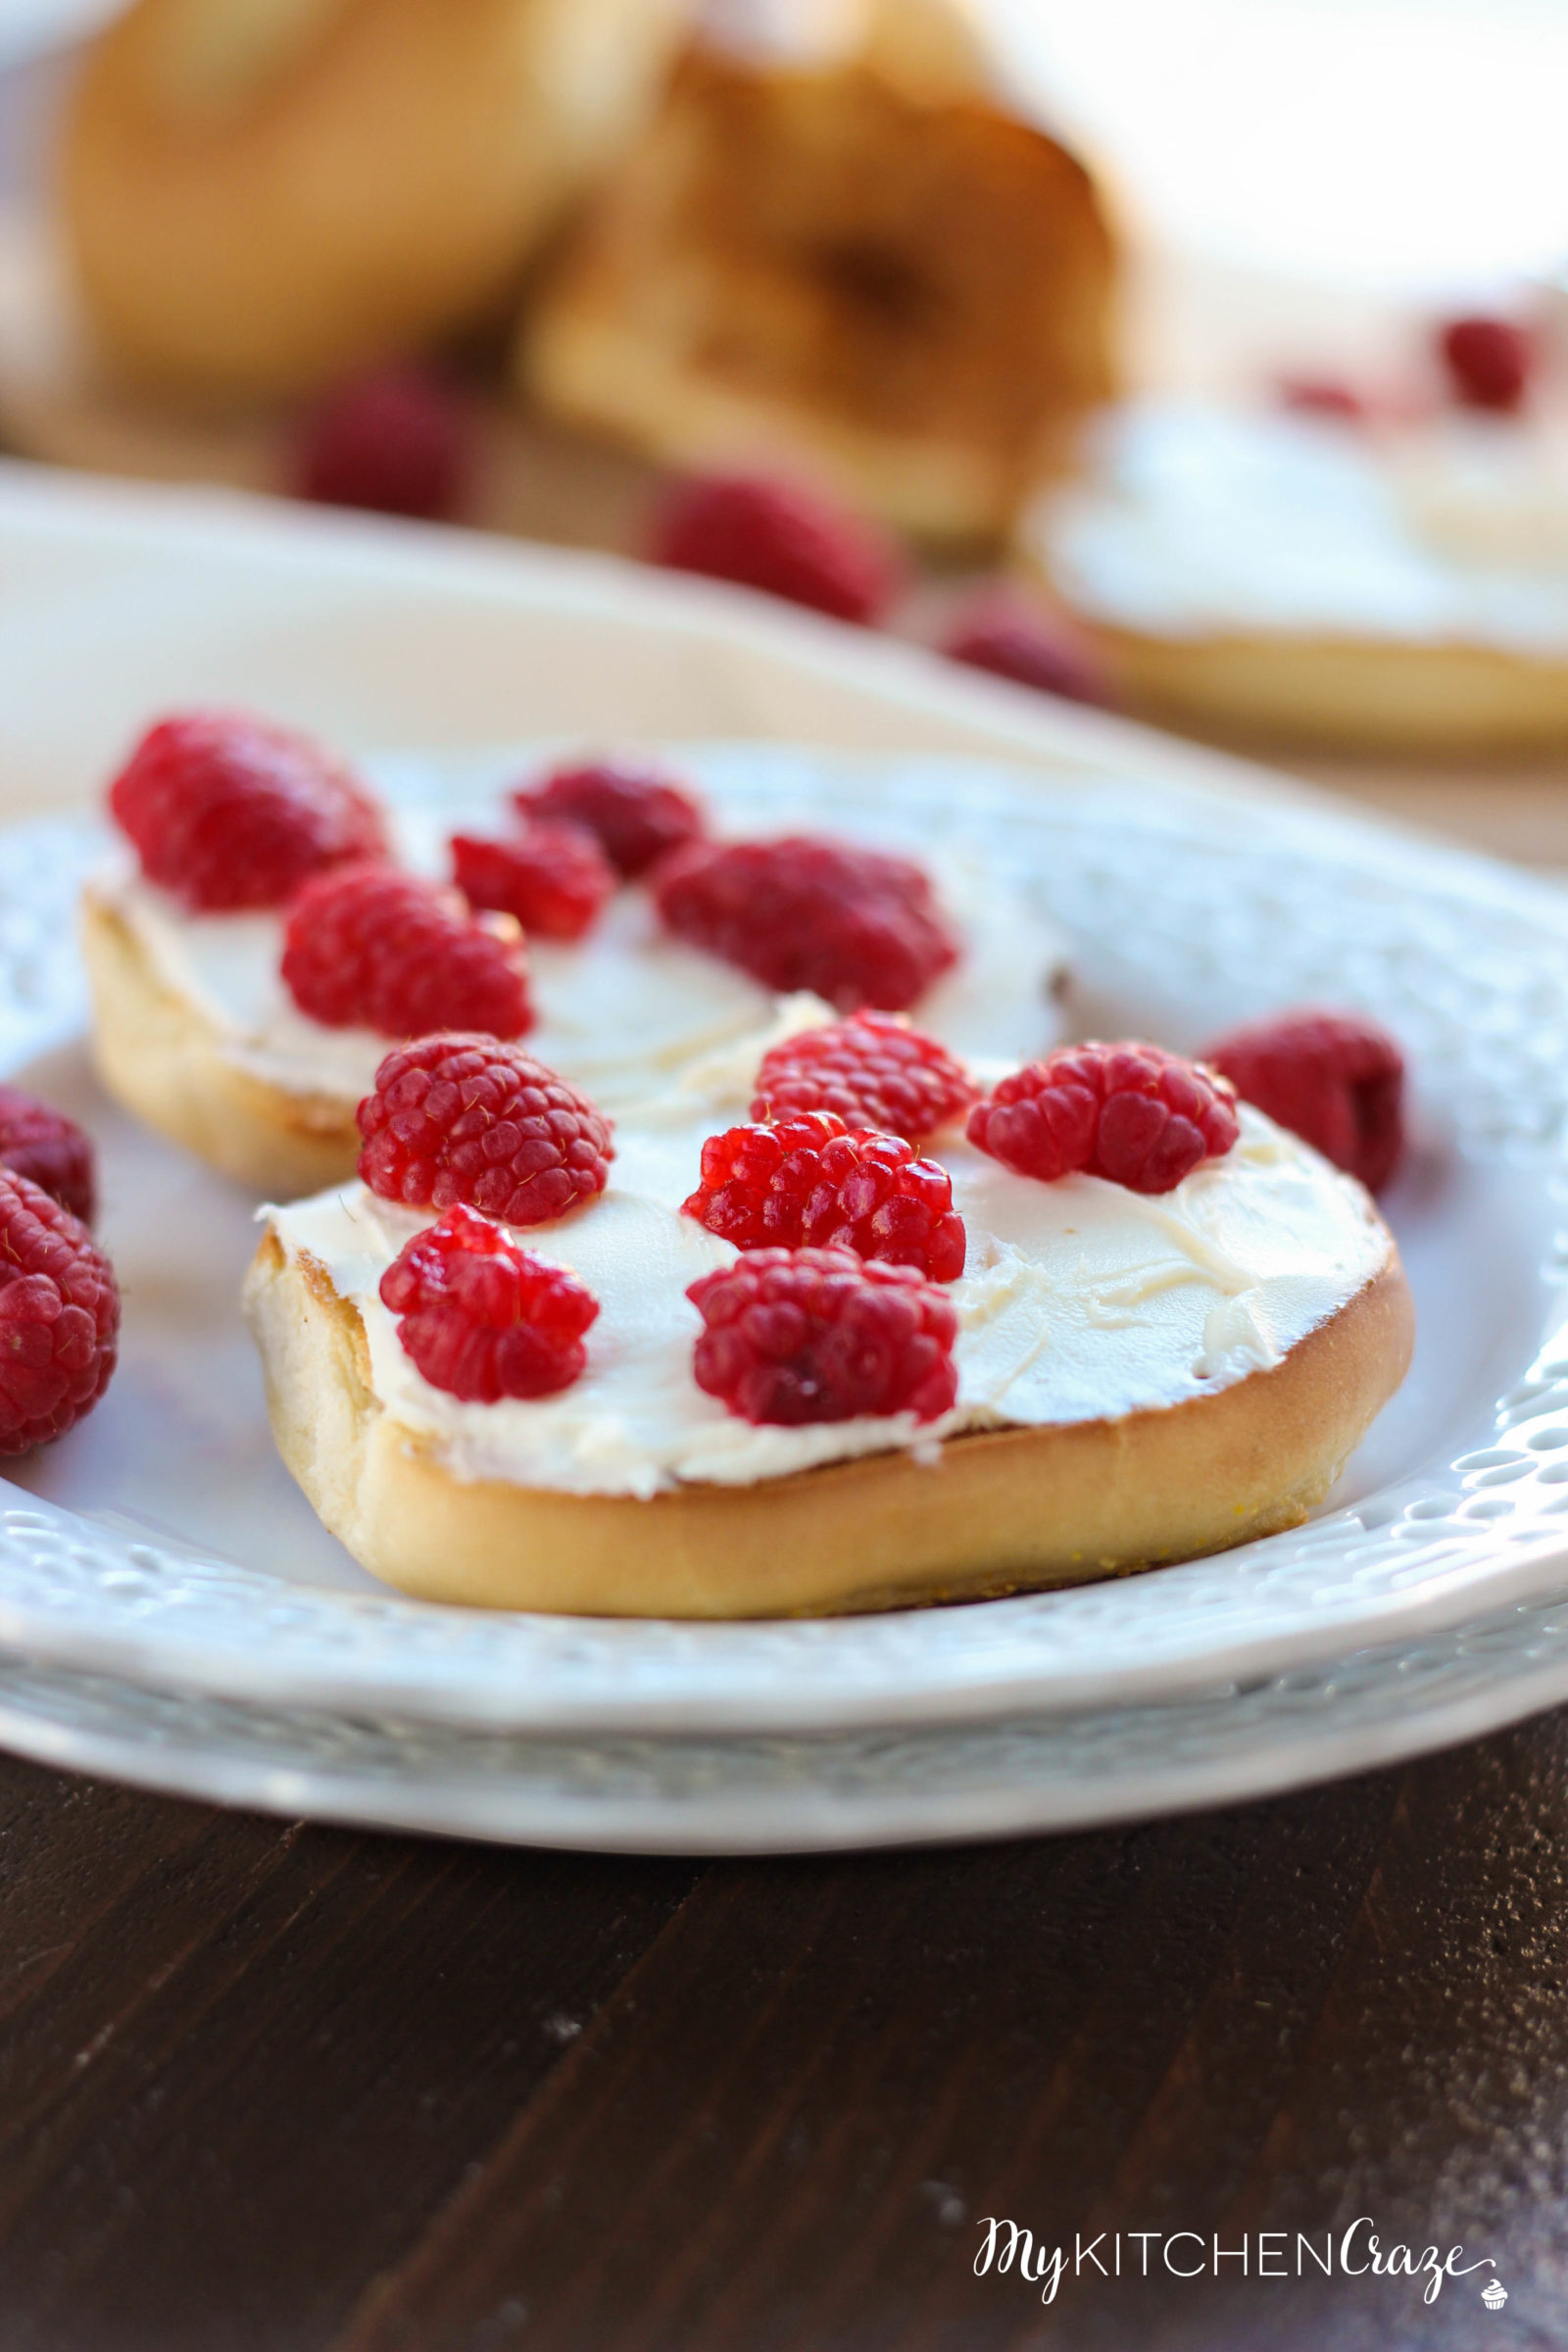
<point>163,1543</point>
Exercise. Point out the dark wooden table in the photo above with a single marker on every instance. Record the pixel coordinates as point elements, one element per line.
<point>270,2085</point>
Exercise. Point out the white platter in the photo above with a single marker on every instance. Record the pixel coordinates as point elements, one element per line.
<point>170,1608</point>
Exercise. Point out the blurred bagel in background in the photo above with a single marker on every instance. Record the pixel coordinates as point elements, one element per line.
<point>262,195</point>
<point>839,246</point>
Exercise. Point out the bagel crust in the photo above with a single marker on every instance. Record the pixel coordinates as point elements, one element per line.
<point>993,1512</point>
<point>160,1057</point>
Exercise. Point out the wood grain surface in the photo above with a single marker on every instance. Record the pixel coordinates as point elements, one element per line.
<point>273,2087</point>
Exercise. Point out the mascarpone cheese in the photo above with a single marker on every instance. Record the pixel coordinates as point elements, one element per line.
<point>1196,521</point>
<point>1080,1302</point>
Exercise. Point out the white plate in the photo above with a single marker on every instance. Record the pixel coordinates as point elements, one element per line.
<point>1453,1507</point>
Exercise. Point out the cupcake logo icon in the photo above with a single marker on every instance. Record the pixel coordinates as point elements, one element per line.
<point>1494,2294</point>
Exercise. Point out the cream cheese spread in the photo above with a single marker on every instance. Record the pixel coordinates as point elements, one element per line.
<point>1194,521</point>
<point>1080,1302</point>
<point>625,1012</point>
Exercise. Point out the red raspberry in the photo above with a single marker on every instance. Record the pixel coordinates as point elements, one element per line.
<point>59,1317</point>
<point>227,812</point>
<point>1131,1113</point>
<point>807,1182</point>
<point>49,1149</point>
<point>1333,1078</point>
<point>813,1335</point>
<point>467,1118</point>
<point>780,537</point>
<point>1490,362</point>
<point>367,946</point>
<point>1011,638</point>
<point>482,1318</point>
<point>637,816</point>
<point>397,442</point>
<point>1323,396</point>
<point>554,878</point>
<point>873,1069</point>
<point>854,925</point>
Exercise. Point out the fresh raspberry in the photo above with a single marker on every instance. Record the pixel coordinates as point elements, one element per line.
<point>638,816</point>
<point>397,442</point>
<point>369,947</point>
<point>1333,1078</point>
<point>468,1119</point>
<point>854,925</point>
<point>1490,362</point>
<point>780,537</point>
<point>874,1070</point>
<point>59,1317</point>
<point>1012,638</point>
<point>1131,1113</point>
<point>553,877</point>
<point>51,1150</point>
<point>482,1318</point>
<point>813,1335</point>
<point>1323,396</point>
<point>227,812</point>
<point>807,1182</point>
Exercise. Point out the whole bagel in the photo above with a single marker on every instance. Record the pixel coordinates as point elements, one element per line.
<point>263,194</point>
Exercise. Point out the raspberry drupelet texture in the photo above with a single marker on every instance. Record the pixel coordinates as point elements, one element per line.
<point>636,815</point>
<point>468,1119</point>
<point>51,1150</point>
<point>780,537</point>
<point>483,1319</point>
<point>554,877</point>
<point>59,1317</point>
<point>806,1182</point>
<point>369,947</point>
<point>792,1336</point>
<point>1132,1113</point>
<point>397,441</point>
<point>1490,362</point>
<point>874,1070</point>
<point>228,813</point>
<point>1334,1079</point>
<point>1010,636</point>
<point>856,926</point>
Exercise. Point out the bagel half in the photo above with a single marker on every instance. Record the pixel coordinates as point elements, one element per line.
<point>993,1512</point>
<point>263,194</point>
<point>880,272</point>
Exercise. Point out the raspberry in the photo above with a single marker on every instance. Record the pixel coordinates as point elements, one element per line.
<point>1490,362</point>
<point>554,878</point>
<point>1323,396</point>
<point>59,1317</point>
<point>227,812</point>
<point>397,442</point>
<point>468,1119</point>
<point>1131,1113</point>
<point>807,1182</point>
<point>638,816</point>
<point>874,1070</point>
<point>371,947</point>
<point>1334,1079</point>
<point>1013,639</point>
<point>813,1335</point>
<point>482,1318</point>
<point>780,537</point>
<point>49,1149</point>
<point>854,925</point>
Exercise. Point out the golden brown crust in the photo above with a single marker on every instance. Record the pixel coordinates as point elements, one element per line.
<point>1342,694</point>
<point>159,1057</point>
<point>260,198</point>
<point>915,291</point>
<point>995,1513</point>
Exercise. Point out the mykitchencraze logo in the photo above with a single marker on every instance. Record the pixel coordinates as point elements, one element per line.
<point>1355,2253</point>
